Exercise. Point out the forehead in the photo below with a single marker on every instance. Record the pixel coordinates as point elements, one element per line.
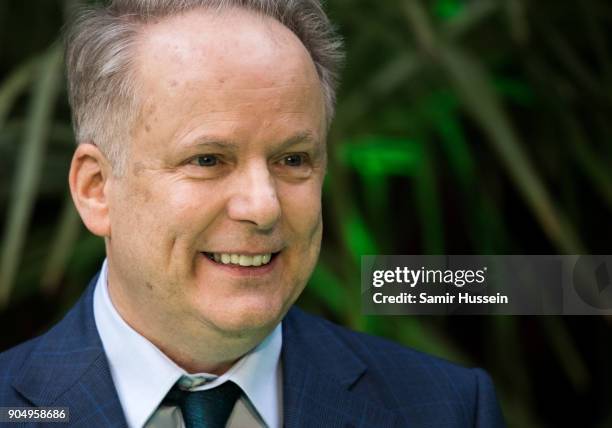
<point>236,48</point>
<point>231,72</point>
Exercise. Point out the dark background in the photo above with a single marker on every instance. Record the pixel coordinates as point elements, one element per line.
<point>463,127</point>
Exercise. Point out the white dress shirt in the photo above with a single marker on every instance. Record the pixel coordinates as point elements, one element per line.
<point>143,374</point>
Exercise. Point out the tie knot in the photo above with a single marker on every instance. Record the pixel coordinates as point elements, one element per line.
<point>205,409</point>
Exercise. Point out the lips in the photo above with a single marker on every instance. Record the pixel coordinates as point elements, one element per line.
<point>242,260</point>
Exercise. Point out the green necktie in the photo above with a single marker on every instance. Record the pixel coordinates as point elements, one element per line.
<point>205,409</point>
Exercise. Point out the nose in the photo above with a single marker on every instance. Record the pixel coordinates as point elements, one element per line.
<point>255,199</point>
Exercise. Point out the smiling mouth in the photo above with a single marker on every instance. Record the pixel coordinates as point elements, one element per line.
<point>242,260</point>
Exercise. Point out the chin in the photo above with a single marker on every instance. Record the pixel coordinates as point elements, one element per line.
<point>245,320</point>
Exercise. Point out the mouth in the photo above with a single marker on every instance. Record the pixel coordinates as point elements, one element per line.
<point>242,260</point>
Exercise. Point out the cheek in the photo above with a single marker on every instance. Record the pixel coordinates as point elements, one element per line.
<point>190,203</point>
<point>179,205</point>
<point>301,207</point>
<point>304,224</point>
<point>160,217</point>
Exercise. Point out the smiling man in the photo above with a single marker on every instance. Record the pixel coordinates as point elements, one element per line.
<point>202,151</point>
<point>214,224</point>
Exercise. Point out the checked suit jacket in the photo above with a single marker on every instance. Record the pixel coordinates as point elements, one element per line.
<point>332,377</point>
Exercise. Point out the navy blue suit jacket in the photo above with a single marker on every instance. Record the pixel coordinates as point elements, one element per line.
<point>332,377</point>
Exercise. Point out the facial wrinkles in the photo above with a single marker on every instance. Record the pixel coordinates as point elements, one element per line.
<point>209,108</point>
<point>230,235</point>
<point>242,99</point>
<point>218,70</point>
<point>170,178</point>
<point>294,222</point>
<point>251,168</point>
<point>153,201</point>
<point>217,66</point>
<point>254,103</point>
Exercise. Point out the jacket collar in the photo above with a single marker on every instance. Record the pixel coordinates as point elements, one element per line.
<point>320,372</point>
<point>68,367</point>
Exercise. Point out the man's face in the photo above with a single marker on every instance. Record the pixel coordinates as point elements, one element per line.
<point>226,163</point>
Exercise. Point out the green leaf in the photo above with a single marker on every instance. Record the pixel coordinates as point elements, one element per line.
<point>448,9</point>
<point>428,205</point>
<point>62,246</point>
<point>476,92</point>
<point>14,85</point>
<point>376,156</point>
<point>357,236</point>
<point>29,166</point>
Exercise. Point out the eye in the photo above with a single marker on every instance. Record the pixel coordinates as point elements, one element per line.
<point>207,166</point>
<point>205,160</point>
<point>294,160</point>
<point>294,165</point>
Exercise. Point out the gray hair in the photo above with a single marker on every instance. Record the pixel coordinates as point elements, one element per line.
<point>103,90</point>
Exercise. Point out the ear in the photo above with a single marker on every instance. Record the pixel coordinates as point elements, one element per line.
<point>88,179</point>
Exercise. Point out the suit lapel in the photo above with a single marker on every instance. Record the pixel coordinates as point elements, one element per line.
<point>68,367</point>
<point>319,371</point>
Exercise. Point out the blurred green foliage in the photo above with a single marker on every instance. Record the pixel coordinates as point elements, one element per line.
<point>463,126</point>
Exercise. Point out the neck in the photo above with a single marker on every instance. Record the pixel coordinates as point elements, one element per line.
<point>187,345</point>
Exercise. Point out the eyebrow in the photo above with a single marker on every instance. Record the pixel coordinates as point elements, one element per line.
<point>211,142</point>
<point>300,137</point>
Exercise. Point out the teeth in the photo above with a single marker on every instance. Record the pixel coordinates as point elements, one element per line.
<point>242,259</point>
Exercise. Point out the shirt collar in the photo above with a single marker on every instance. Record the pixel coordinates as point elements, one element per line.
<point>143,374</point>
